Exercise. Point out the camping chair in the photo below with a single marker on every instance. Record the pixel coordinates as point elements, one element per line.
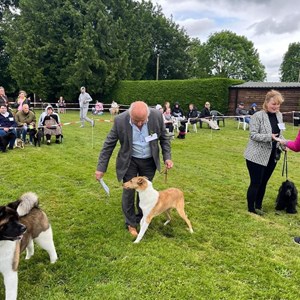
<point>189,123</point>
<point>217,116</point>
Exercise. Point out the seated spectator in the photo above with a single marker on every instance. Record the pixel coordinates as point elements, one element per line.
<point>167,105</point>
<point>241,111</point>
<point>98,109</point>
<point>21,100</point>
<point>51,124</point>
<point>253,109</point>
<point>43,114</point>
<point>168,120</point>
<point>7,129</point>
<point>177,112</point>
<point>159,107</point>
<point>206,117</point>
<point>192,114</point>
<point>114,108</point>
<point>25,120</point>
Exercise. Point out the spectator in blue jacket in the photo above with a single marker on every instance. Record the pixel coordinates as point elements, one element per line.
<point>7,129</point>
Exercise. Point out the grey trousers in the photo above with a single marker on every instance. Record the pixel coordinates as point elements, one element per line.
<point>83,115</point>
<point>131,209</point>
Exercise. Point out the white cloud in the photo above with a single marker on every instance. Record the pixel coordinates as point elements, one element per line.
<point>270,24</point>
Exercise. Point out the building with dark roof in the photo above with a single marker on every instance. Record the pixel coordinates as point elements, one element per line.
<point>250,92</point>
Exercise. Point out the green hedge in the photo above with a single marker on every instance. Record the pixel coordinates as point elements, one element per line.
<point>197,91</point>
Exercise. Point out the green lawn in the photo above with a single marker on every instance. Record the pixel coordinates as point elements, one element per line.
<point>231,255</point>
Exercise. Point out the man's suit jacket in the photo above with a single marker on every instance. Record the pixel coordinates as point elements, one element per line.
<point>122,132</point>
<point>259,147</point>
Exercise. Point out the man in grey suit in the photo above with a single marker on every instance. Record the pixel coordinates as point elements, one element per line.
<point>138,130</point>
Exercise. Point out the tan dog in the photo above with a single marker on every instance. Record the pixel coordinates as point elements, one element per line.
<point>153,203</point>
<point>19,143</point>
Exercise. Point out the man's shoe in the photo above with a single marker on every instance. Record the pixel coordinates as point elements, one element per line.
<point>259,212</point>
<point>48,142</point>
<point>132,230</point>
<point>297,240</point>
<point>81,126</point>
<point>57,142</point>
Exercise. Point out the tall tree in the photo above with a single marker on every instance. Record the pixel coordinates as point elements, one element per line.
<point>57,46</point>
<point>5,78</point>
<point>290,66</point>
<point>234,56</point>
<point>200,65</point>
<point>170,42</point>
<point>135,19</point>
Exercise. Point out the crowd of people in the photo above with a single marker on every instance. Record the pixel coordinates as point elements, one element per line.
<point>17,121</point>
<point>175,117</point>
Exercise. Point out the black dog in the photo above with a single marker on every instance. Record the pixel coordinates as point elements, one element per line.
<point>181,134</point>
<point>38,137</point>
<point>287,197</point>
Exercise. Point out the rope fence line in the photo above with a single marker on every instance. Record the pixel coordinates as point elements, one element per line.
<point>111,120</point>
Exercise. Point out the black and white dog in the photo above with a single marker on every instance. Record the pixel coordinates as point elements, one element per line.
<point>21,223</point>
<point>287,197</point>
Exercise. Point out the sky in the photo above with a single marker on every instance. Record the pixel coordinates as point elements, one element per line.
<point>270,24</point>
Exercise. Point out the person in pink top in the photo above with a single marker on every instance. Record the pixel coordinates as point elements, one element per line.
<point>293,145</point>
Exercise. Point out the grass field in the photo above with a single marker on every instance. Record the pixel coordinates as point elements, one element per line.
<point>231,255</point>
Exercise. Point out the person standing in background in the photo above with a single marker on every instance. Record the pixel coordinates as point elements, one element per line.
<point>21,100</point>
<point>3,97</point>
<point>84,101</point>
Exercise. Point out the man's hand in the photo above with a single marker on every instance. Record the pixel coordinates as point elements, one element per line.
<point>99,175</point>
<point>168,164</point>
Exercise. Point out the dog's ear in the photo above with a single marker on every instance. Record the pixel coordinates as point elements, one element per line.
<point>140,181</point>
<point>146,177</point>
<point>14,205</point>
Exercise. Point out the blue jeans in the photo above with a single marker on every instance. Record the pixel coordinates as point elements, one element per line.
<point>11,133</point>
<point>22,132</point>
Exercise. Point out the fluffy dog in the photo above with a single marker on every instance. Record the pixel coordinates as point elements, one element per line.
<point>287,197</point>
<point>21,222</point>
<point>154,203</point>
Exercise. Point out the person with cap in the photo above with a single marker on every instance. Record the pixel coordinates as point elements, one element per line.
<point>241,111</point>
<point>253,109</point>
<point>84,101</point>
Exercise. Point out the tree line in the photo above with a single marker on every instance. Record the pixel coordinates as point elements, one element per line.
<point>54,47</point>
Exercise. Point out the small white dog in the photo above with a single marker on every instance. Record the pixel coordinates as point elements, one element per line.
<point>153,203</point>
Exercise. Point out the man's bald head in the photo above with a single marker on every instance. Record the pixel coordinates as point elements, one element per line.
<point>139,112</point>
